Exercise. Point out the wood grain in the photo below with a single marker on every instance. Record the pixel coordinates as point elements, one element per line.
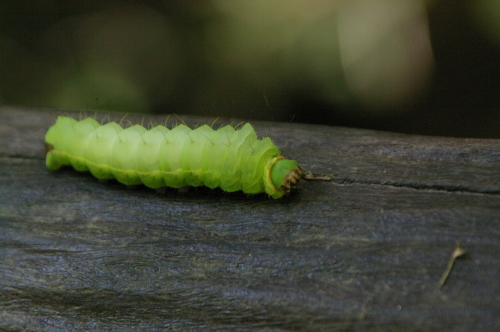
<point>362,252</point>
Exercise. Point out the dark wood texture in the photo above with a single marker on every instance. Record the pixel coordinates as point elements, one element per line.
<point>362,252</point>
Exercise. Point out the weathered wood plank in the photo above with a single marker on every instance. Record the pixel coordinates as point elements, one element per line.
<point>364,251</point>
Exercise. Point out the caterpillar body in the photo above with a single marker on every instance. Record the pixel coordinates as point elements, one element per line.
<point>228,158</point>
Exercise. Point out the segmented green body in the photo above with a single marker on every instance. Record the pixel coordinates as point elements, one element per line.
<point>232,159</point>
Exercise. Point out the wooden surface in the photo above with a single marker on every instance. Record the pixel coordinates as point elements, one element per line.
<point>362,252</point>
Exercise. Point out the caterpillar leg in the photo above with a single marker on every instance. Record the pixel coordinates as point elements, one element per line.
<point>161,190</point>
<point>183,190</point>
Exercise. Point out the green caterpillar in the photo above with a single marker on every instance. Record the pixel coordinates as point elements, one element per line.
<point>226,158</point>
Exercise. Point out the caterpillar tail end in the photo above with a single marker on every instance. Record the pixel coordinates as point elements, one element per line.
<point>285,175</point>
<point>50,161</point>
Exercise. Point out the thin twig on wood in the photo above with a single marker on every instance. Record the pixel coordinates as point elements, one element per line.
<point>454,255</point>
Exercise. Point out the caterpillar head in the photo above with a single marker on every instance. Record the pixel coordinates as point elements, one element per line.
<point>285,175</point>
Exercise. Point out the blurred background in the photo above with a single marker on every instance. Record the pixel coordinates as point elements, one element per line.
<point>411,66</point>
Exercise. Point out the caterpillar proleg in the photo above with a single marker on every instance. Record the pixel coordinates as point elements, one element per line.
<point>226,158</point>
